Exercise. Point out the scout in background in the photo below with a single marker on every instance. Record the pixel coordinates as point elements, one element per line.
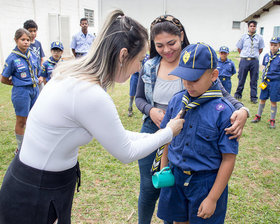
<point>270,86</point>
<point>20,70</point>
<point>226,68</point>
<point>49,65</point>
<point>133,86</point>
<point>202,157</point>
<point>35,45</point>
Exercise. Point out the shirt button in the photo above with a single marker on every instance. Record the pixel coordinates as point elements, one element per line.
<point>190,126</point>
<point>207,137</point>
<point>187,144</point>
<point>184,160</point>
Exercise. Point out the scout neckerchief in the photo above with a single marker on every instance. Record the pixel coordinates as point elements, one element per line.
<point>27,58</point>
<point>51,60</point>
<point>212,93</point>
<point>271,57</point>
<point>252,42</point>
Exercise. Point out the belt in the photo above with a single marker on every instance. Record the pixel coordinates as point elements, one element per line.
<point>249,59</point>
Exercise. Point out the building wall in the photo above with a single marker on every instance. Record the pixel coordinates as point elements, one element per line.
<point>13,13</point>
<point>207,21</point>
<point>268,20</point>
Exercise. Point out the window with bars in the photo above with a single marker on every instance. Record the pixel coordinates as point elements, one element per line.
<point>276,31</point>
<point>89,14</point>
<point>236,24</point>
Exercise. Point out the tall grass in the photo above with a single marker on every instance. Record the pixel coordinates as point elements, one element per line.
<point>110,189</point>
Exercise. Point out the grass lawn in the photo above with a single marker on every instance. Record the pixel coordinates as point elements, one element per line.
<point>110,189</point>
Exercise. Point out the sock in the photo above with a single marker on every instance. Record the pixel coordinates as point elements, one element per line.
<point>131,101</point>
<point>19,139</point>
<point>260,109</point>
<point>273,112</point>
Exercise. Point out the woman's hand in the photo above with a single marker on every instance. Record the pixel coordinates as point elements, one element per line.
<point>238,120</point>
<point>206,208</point>
<point>176,124</point>
<point>40,79</point>
<point>157,115</point>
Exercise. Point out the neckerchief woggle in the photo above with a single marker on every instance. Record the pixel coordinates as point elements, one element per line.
<point>271,57</point>
<point>187,104</point>
<point>27,58</point>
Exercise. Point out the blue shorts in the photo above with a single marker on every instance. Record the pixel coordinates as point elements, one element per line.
<point>180,203</point>
<point>23,98</point>
<point>133,84</point>
<point>272,91</point>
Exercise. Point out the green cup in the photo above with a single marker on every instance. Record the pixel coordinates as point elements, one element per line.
<point>163,178</point>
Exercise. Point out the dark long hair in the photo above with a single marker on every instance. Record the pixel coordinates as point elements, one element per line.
<point>168,24</point>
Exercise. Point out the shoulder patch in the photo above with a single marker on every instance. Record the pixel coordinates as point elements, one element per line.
<point>220,106</point>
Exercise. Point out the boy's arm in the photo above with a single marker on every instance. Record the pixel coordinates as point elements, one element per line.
<point>164,158</point>
<point>208,205</point>
<point>6,80</point>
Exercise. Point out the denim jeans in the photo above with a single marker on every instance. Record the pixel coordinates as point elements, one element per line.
<point>148,194</point>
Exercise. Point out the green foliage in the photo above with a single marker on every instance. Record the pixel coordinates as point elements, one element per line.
<point>109,190</point>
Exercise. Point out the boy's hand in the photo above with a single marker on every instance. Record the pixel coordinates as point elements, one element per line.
<point>206,208</point>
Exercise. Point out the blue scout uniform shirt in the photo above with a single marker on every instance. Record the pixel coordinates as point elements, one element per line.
<point>247,48</point>
<point>37,50</point>
<point>48,67</point>
<point>226,68</point>
<point>18,68</point>
<point>273,72</point>
<point>82,43</point>
<point>200,144</point>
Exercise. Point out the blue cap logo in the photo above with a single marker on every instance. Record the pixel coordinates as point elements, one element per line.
<point>186,56</point>
<point>275,40</point>
<point>195,59</point>
<point>57,44</point>
<point>224,49</point>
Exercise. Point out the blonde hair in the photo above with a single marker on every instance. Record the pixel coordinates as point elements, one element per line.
<point>100,64</point>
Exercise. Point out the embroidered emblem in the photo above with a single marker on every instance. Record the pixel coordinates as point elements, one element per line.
<point>23,75</point>
<point>220,107</point>
<point>186,56</point>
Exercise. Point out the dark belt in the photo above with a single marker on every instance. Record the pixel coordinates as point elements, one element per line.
<point>249,59</point>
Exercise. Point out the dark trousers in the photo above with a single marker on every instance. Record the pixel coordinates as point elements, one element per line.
<point>148,193</point>
<point>245,66</point>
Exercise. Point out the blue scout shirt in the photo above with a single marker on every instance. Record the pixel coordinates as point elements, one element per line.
<point>226,68</point>
<point>200,144</point>
<point>246,47</point>
<point>273,72</point>
<point>18,68</point>
<point>37,50</point>
<point>48,67</point>
<point>82,43</point>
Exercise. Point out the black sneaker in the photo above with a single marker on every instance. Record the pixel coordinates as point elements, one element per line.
<point>238,97</point>
<point>256,119</point>
<point>130,112</point>
<point>254,101</point>
<point>272,123</point>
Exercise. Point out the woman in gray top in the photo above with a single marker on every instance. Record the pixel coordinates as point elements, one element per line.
<point>155,89</point>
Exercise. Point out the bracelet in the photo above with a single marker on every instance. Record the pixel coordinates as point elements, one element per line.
<point>247,110</point>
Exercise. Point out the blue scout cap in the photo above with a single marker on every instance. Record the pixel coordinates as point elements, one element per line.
<point>57,44</point>
<point>195,59</point>
<point>274,40</point>
<point>224,49</point>
<point>278,38</point>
